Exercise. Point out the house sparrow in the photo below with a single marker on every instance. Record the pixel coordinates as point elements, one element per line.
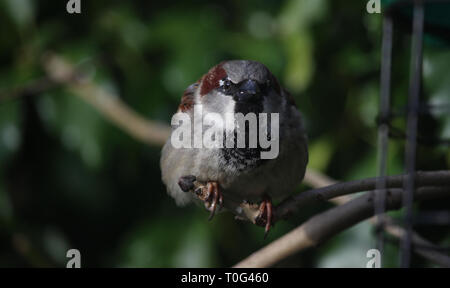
<point>233,177</point>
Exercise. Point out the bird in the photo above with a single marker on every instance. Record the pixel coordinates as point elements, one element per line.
<point>225,177</point>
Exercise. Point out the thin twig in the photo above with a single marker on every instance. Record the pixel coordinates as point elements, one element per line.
<point>291,204</point>
<point>327,224</point>
<point>397,232</point>
<point>390,228</point>
<point>33,87</point>
<point>110,105</point>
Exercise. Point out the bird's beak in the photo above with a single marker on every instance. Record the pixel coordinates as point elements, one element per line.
<point>248,91</point>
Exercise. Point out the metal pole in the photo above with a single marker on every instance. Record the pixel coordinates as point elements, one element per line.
<point>413,107</point>
<point>383,128</point>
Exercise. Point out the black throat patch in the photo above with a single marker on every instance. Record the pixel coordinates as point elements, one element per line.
<point>247,158</point>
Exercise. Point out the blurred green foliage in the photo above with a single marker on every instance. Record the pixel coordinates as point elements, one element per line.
<point>69,179</point>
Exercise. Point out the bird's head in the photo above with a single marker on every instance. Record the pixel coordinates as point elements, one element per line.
<point>238,86</point>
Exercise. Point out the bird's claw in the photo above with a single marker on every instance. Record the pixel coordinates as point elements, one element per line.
<point>214,198</point>
<point>265,215</point>
<point>210,193</point>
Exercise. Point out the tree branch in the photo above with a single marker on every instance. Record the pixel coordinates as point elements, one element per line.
<point>36,86</point>
<point>397,231</point>
<point>327,224</point>
<point>291,204</point>
<point>108,104</point>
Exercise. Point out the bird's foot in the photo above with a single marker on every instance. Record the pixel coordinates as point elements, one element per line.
<point>211,196</point>
<point>209,193</point>
<point>265,215</point>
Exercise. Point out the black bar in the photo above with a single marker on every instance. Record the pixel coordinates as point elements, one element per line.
<point>383,128</point>
<point>413,107</point>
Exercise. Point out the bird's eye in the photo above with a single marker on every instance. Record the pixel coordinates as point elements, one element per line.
<point>226,85</point>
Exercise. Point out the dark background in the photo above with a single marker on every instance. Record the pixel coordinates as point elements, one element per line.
<point>71,179</point>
